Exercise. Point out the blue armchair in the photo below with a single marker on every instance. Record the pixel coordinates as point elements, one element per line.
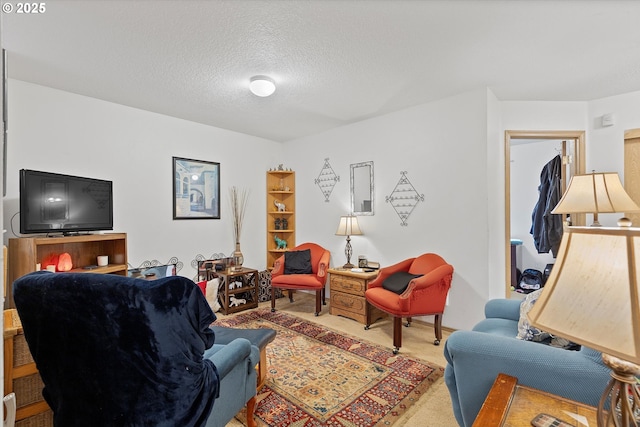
<point>113,350</point>
<point>475,358</point>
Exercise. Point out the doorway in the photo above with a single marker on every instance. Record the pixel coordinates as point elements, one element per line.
<point>572,152</point>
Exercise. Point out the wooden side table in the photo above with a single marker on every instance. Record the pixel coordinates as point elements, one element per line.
<point>511,405</point>
<point>248,290</point>
<point>347,295</point>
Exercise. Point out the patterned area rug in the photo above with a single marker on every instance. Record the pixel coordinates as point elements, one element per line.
<point>318,377</point>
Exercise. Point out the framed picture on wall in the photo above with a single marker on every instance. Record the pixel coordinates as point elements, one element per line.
<point>196,189</point>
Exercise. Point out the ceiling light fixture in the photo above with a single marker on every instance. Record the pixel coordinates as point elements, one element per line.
<point>262,86</point>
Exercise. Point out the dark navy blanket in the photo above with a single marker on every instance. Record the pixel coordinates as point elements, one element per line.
<point>117,351</point>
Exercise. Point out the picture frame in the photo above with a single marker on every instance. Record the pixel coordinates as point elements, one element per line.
<point>196,189</point>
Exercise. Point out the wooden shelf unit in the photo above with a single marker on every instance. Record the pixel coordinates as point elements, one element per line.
<point>249,291</point>
<point>26,252</point>
<point>21,374</point>
<point>281,187</point>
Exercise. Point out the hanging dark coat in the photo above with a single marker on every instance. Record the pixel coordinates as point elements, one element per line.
<point>546,228</point>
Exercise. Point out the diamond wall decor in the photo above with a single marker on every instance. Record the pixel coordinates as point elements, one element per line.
<point>327,179</point>
<point>404,198</point>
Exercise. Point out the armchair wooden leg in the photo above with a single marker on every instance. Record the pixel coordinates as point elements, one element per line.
<point>318,302</point>
<point>251,406</point>
<point>273,299</point>
<point>438,327</point>
<point>290,295</point>
<point>397,334</point>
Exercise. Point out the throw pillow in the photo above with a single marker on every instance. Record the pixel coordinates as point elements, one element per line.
<point>398,282</point>
<point>203,287</point>
<point>264,288</point>
<point>525,330</point>
<point>298,262</point>
<point>211,294</point>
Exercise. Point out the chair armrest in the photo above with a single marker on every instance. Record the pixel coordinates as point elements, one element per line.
<point>324,264</point>
<point>431,278</point>
<point>475,359</point>
<point>503,308</point>
<point>389,270</point>
<point>278,267</point>
<point>237,351</point>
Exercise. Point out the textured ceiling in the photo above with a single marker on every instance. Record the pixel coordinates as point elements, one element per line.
<point>335,62</point>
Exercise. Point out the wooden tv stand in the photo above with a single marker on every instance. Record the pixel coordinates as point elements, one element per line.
<point>21,374</point>
<point>26,252</point>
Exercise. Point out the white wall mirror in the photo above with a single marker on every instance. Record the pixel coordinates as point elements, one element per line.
<point>362,188</point>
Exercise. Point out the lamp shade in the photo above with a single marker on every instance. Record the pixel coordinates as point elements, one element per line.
<point>592,296</point>
<point>595,193</point>
<point>348,226</point>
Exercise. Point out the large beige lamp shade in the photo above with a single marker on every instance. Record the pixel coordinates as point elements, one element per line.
<point>592,297</point>
<point>596,193</point>
<point>348,227</point>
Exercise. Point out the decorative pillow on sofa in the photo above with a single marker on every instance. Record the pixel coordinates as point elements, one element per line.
<point>298,262</point>
<point>398,282</point>
<point>525,330</point>
<point>211,294</point>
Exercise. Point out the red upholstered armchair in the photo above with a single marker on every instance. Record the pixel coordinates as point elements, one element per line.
<point>424,295</point>
<point>293,271</point>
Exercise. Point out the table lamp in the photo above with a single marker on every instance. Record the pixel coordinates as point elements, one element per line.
<point>348,227</point>
<point>592,297</point>
<point>596,193</point>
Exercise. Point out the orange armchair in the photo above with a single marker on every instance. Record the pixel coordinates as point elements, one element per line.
<point>424,295</point>
<point>316,280</point>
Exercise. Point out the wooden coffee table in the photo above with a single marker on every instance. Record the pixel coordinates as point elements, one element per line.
<point>511,405</point>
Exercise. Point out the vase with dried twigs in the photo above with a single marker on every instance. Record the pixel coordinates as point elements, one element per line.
<point>238,199</point>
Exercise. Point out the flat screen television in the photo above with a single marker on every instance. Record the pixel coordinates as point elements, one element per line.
<point>56,203</point>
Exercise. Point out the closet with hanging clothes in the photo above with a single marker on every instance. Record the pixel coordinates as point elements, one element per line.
<point>539,169</point>
<point>546,228</point>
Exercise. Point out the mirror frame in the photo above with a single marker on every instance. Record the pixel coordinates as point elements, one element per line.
<point>353,168</point>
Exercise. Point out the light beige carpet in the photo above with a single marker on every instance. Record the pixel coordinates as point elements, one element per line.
<point>434,407</point>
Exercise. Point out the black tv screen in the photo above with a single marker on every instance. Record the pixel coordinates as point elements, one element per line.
<point>51,202</point>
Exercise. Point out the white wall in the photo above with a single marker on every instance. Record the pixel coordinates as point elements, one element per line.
<point>439,146</point>
<point>605,145</point>
<point>442,147</point>
<point>496,200</point>
<point>452,151</point>
<point>60,132</point>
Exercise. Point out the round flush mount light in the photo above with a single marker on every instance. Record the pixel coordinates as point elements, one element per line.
<point>262,86</point>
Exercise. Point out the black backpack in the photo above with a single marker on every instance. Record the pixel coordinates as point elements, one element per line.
<point>531,280</point>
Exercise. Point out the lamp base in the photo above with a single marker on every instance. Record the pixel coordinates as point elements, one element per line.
<point>623,392</point>
<point>348,265</point>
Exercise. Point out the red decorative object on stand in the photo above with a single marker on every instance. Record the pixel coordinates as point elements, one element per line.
<point>64,262</point>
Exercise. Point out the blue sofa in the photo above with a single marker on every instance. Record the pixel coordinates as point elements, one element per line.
<point>476,357</point>
<point>119,351</point>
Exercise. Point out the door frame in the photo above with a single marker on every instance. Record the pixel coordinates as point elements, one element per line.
<point>631,170</point>
<point>578,166</point>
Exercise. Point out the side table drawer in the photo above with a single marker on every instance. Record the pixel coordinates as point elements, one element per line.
<point>346,302</point>
<point>350,285</point>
